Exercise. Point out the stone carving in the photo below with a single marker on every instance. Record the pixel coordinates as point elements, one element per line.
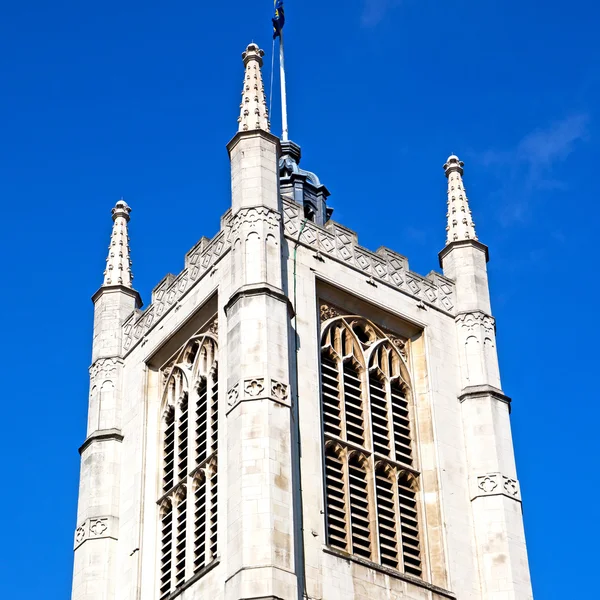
<point>79,535</point>
<point>97,527</point>
<point>401,344</point>
<point>511,486</point>
<point>337,242</point>
<point>104,368</point>
<point>329,312</point>
<point>279,390</point>
<point>233,394</point>
<point>254,387</point>
<point>200,260</point>
<point>496,484</point>
<point>251,218</point>
<point>472,321</point>
<point>487,484</point>
<point>214,326</point>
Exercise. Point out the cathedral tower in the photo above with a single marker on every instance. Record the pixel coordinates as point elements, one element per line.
<point>294,416</point>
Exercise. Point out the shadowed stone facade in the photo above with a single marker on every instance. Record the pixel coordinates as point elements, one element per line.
<point>296,416</point>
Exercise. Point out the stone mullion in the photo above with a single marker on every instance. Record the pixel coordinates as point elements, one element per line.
<point>342,395</point>
<point>400,554</point>
<point>191,466</point>
<point>207,499</point>
<point>212,432</point>
<point>174,515</point>
<point>373,513</point>
<point>346,477</point>
<point>370,454</point>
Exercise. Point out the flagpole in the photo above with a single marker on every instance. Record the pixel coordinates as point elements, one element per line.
<point>284,120</point>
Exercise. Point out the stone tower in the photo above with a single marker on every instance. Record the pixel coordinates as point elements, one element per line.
<point>294,416</point>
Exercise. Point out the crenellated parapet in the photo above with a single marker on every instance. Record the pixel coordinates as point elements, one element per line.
<point>333,241</point>
<point>200,262</point>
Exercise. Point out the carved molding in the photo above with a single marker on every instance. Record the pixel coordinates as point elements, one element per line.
<point>103,369</point>
<point>279,390</point>
<point>339,243</point>
<point>329,311</point>
<point>96,528</point>
<point>200,261</point>
<point>252,218</point>
<point>256,388</point>
<point>233,394</point>
<point>476,320</point>
<point>496,484</point>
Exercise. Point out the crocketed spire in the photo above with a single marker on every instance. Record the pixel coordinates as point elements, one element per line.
<point>253,109</point>
<point>460,222</point>
<point>118,263</point>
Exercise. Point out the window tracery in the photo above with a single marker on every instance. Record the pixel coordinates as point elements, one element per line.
<point>188,502</point>
<point>371,480</point>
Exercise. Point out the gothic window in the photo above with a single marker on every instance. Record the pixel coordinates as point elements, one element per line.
<point>188,502</point>
<point>371,476</point>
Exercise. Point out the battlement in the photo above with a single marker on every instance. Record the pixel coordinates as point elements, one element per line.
<point>339,243</point>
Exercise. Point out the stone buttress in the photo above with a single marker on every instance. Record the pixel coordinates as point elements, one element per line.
<point>97,530</point>
<point>493,486</point>
<point>260,538</point>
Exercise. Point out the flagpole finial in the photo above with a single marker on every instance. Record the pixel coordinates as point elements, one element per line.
<point>253,109</point>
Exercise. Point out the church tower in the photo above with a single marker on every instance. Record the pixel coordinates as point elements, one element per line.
<point>294,416</point>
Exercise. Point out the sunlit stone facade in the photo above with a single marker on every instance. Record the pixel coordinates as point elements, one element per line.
<point>295,416</point>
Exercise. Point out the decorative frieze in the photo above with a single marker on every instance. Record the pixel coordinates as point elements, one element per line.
<point>339,243</point>
<point>96,528</point>
<point>495,484</point>
<point>476,321</point>
<point>200,261</point>
<point>255,388</point>
<point>251,219</point>
<point>103,369</point>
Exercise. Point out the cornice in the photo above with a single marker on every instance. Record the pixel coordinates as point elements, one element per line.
<point>258,290</point>
<point>103,435</point>
<point>119,288</point>
<point>463,244</point>
<point>473,392</point>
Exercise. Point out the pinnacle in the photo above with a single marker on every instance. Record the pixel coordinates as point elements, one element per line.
<point>253,109</point>
<point>460,221</point>
<point>118,263</point>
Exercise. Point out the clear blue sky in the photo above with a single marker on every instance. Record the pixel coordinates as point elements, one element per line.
<point>103,99</point>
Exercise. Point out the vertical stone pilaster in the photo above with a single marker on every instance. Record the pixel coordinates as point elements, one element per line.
<point>260,535</point>
<point>494,489</point>
<point>97,531</point>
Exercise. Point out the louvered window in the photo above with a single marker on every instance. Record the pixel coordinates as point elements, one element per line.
<point>180,538</point>
<point>200,523</point>
<point>372,506</point>
<point>359,508</point>
<point>189,501</point>
<point>411,552</point>
<point>337,532</point>
<point>166,543</point>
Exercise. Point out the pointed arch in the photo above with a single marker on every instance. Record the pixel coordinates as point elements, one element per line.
<point>190,416</point>
<point>391,406</point>
<point>371,485</point>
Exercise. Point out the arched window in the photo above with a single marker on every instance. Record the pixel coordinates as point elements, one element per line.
<point>371,474</point>
<point>188,502</point>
